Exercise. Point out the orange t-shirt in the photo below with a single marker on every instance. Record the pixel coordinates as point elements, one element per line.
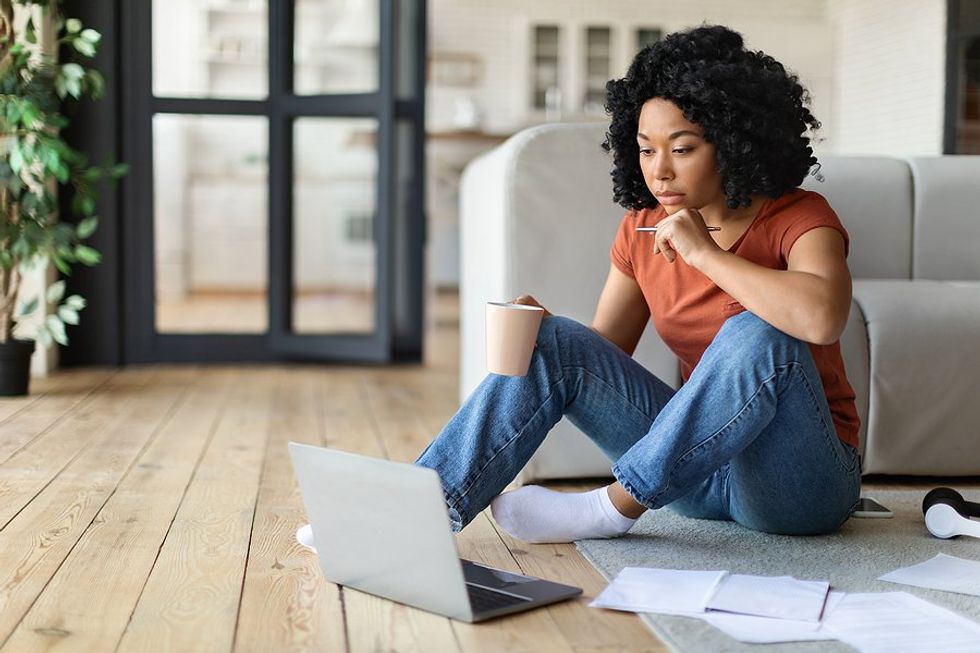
<point>688,309</point>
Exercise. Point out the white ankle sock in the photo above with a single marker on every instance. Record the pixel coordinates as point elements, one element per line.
<point>537,515</point>
<point>304,535</point>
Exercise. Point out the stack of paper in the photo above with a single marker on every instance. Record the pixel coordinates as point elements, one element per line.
<point>766,610</point>
<point>749,608</point>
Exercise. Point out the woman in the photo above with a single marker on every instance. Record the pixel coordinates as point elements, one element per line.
<point>745,280</point>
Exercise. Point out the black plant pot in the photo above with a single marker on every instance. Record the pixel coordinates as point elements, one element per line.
<point>15,367</point>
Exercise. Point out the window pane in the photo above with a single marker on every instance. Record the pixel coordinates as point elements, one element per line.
<point>210,48</point>
<point>333,225</point>
<point>646,36</point>
<point>210,223</point>
<point>336,46</point>
<point>597,68</point>
<point>544,64</point>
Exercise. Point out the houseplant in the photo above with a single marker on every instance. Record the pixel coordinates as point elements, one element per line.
<point>35,87</point>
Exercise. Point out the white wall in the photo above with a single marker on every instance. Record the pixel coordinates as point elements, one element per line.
<point>889,76</point>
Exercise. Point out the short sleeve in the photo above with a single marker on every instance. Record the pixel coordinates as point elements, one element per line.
<point>621,253</point>
<point>812,213</point>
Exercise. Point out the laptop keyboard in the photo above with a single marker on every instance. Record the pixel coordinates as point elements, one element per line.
<point>484,600</point>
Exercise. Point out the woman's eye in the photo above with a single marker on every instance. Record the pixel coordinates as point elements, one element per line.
<point>645,151</point>
<point>681,150</point>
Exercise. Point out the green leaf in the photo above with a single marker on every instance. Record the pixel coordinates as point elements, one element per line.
<point>74,87</point>
<point>119,170</point>
<point>62,173</point>
<point>29,35</point>
<point>84,47</point>
<point>91,36</point>
<point>96,83</point>
<point>87,256</point>
<point>82,203</point>
<point>57,328</point>
<point>16,158</point>
<point>13,112</point>
<point>60,86</point>
<point>73,25</point>
<point>67,315</point>
<point>52,160</point>
<point>62,266</point>
<point>55,292</point>
<point>73,71</point>
<point>87,227</point>
<point>75,302</point>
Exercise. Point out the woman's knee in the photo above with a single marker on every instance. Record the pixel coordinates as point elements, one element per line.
<point>560,335</point>
<point>749,334</point>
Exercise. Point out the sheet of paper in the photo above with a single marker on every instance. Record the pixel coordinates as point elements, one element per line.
<point>944,572</point>
<point>897,622</point>
<point>776,597</point>
<point>666,591</point>
<point>763,630</point>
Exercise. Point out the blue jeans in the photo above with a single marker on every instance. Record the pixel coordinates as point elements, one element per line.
<point>748,438</point>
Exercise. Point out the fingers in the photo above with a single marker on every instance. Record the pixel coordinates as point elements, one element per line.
<point>662,245</point>
<point>528,300</point>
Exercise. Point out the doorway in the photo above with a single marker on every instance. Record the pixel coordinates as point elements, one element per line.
<point>275,198</point>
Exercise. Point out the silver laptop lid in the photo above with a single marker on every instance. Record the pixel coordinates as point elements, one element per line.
<point>382,527</point>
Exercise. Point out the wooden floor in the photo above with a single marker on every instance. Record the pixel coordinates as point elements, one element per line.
<point>153,509</point>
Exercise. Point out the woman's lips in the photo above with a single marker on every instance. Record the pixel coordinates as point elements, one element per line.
<point>670,199</point>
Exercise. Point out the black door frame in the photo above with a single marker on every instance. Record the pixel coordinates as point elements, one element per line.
<point>398,106</point>
<point>956,34</point>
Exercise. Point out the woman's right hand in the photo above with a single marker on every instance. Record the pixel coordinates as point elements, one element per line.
<point>527,300</point>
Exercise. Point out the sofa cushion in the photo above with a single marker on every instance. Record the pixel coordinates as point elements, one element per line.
<point>872,197</point>
<point>947,217</point>
<point>924,348</point>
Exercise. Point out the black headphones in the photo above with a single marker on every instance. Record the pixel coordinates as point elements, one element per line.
<point>948,513</point>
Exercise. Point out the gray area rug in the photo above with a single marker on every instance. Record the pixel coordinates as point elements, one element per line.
<point>850,560</point>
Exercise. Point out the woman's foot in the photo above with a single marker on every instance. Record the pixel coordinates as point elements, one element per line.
<point>538,515</point>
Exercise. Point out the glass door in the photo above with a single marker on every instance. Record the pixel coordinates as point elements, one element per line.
<point>278,210</point>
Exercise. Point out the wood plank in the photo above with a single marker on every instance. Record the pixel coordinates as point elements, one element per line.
<point>376,624</point>
<point>347,422</point>
<point>72,386</point>
<point>395,408</point>
<point>118,550</point>
<point>39,539</point>
<point>286,604</point>
<point>191,598</point>
<point>29,470</point>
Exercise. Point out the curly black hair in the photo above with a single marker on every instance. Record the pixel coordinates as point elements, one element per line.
<point>748,105</point>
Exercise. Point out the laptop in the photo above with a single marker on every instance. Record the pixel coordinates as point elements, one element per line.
<point>382,527</point>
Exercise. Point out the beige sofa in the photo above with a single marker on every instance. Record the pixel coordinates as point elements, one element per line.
<point>537,217</point>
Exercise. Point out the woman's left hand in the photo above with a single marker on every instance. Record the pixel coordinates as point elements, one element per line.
<point>684,234</point>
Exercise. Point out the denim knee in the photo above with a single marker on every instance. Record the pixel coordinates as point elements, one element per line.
<point>560,336</point>
<point>748,334</point>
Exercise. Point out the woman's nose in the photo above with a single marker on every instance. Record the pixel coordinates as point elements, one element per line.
<point>662,169</point>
